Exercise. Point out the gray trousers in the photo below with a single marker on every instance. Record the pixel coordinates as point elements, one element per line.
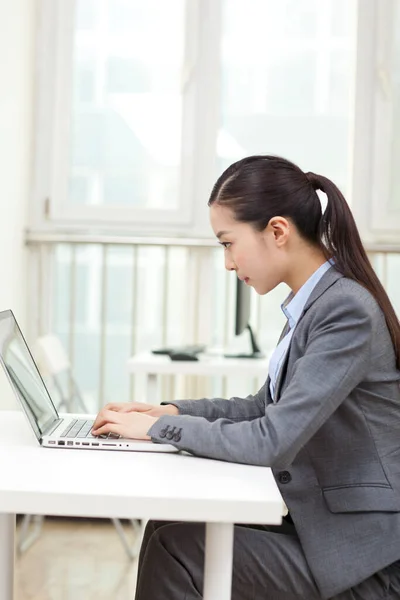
<point>268,564</point>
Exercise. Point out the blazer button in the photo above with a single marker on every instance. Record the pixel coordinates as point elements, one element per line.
<point>177,435</point>
<point>284,477</point>
<point>163,432</point>
<point>170,433</point>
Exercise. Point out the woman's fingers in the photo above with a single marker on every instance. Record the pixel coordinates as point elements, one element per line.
<point>106,416</point>
<point>117,428</point>
<point>121,408</point>
<point>133,425</point>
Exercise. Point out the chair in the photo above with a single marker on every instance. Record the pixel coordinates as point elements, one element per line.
<point>55,369</point>
<point>54,364</point>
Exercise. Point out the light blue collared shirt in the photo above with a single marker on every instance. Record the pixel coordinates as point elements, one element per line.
<point>293,307</point>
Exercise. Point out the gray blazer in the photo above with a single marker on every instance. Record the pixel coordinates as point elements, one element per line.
<point>332,438</point>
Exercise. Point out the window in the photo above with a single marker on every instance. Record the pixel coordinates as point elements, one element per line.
<point>142,104</point>
<point>114,99</point>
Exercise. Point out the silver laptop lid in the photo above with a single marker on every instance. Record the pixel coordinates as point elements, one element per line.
<point>24,375</point>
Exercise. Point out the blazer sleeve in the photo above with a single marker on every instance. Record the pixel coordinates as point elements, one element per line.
<point>335,361</point>
<point>234,409</point>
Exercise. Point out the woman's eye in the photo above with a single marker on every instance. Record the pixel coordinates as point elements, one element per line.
<point>226,245</point>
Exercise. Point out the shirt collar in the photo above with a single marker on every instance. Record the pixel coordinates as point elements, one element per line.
<point>294,304</point>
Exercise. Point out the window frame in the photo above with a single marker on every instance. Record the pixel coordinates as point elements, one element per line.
<point>372,131</point>
<point>50,209</point>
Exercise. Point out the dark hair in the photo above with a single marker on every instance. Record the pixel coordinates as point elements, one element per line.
<point>258,188</point>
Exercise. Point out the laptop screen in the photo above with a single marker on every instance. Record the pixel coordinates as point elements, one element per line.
<point>24,375</point>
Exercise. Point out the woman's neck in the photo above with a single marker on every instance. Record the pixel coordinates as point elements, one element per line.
<point>304,265</point>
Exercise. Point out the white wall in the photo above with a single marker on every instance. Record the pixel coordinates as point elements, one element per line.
<point>17,55</point>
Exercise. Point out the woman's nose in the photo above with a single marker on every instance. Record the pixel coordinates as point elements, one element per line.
<point>229,264</point>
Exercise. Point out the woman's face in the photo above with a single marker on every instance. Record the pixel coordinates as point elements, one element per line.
<point>258,257</point>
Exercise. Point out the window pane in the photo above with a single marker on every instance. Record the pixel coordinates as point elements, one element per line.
<point>285,82</point>
<point>126,108</point>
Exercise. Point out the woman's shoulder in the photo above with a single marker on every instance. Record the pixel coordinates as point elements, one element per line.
<point>345,298</point>
<point>351,288</point>
<point>351,292</point>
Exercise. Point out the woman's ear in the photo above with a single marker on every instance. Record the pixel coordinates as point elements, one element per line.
<point>280,228</point>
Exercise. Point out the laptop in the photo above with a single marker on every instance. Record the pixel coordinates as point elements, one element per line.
<point>52,430</point>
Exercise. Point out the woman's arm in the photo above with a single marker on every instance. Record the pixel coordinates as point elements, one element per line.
<point>136,418</point>
<point>335,361</point>
<point>234,409</point>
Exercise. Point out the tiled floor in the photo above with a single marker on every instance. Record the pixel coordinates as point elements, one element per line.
<point>76,560</point>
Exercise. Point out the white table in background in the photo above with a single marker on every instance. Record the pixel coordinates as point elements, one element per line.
<point>153,365</point>
<point>49,481</point>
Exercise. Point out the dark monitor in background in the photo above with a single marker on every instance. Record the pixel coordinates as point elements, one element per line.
<point>242,320</point>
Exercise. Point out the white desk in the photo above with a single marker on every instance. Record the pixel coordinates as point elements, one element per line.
<point>153,365</point>
<point>48,481</point>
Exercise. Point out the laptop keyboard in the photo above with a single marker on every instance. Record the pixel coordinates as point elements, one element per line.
<point>81,428</point>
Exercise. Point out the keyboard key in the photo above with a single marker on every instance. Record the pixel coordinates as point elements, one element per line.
<point>79,428</point>
<point>68,428</point>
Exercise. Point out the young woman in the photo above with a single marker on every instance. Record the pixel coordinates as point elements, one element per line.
<point>327,420</point>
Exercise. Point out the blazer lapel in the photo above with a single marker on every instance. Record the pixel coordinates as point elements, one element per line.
<point>285,330</point>
<point>269,399</point>
<point>281,375</point>
<point>326,281</point>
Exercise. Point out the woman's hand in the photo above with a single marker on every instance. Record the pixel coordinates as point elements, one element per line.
<point>127,424</point>
<point>141,407</point>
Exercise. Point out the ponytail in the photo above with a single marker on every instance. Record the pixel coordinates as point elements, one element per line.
<point>339,238</point>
